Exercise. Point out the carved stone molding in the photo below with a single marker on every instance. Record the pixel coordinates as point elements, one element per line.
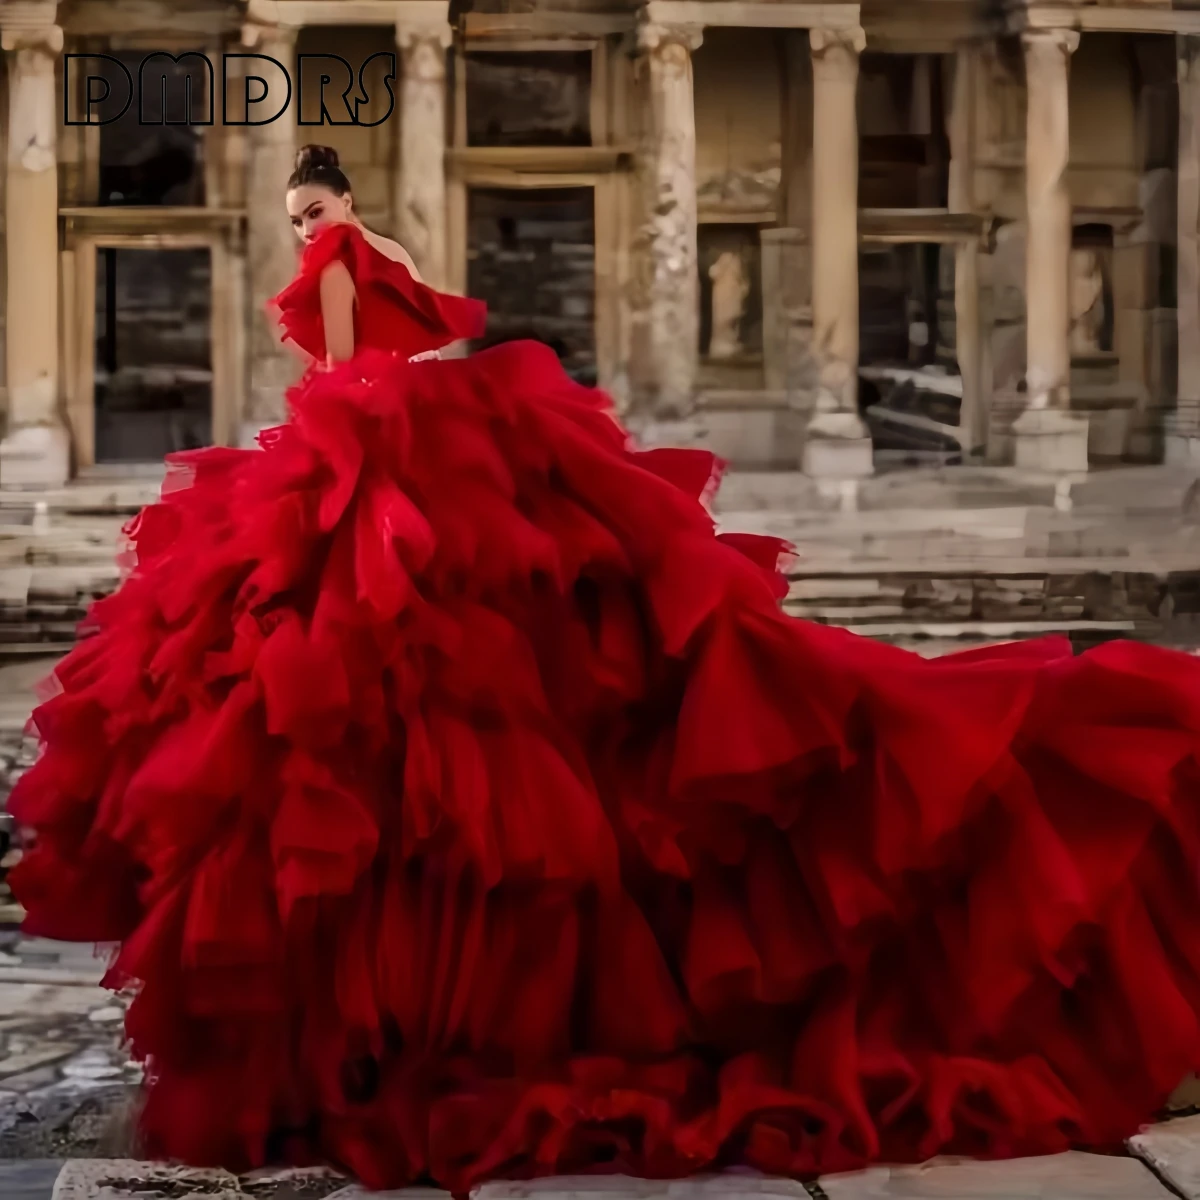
<point>39,41</point>
<point>262,37</point>
<point>424,50</point>
<point>32,15</point>
<point>658,37</point>
<point>835,52</point>
<point>1041,45</point>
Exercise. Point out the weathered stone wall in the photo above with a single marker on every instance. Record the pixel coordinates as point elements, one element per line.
<point>529,99</point>
<point>532,259</point>
<point>738,122</point>
<point>1145,276</point>
<point>368,154</point>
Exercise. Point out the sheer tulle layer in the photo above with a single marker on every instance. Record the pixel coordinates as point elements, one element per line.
<point>464,807</point>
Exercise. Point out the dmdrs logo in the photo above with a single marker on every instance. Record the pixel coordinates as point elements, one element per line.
<point>179,89</point>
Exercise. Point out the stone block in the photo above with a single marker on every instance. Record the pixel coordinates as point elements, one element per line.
<point>838,458</point>
<point>1071,1176</point>
<point>1008,356</point>
<point>1004,271</point>
<point>1047,439</point>
<point>124,1179</point>
<point>1136,275</point>
<point>787,309</point>
<point>1173,1150</point>
<point>1131,342</point>
<point>36,456</point>
<point>130,1179</point>
<point>1157,196</point>
<point>357,1192</point>
<point>1181,449</point>
<point>747,437</point>
<point>731,1185</point>
<point>1110,419</point>
<point>1164,353</point>
<point>1158,125</point>
<point>1006,405</point>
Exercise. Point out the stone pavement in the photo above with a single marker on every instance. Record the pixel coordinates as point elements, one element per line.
<point>1070,1176</point>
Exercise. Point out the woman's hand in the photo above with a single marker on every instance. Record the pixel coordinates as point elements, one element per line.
<point>425,356</point>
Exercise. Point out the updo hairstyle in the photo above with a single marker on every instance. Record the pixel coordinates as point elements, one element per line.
<point>318,166</point>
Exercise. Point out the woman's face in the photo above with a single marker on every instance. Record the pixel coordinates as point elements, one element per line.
<point>312,207</point>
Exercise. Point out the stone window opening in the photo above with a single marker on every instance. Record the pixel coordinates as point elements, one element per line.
<point>528,98</point>
<point>904,145</point>
<point>150,155</point>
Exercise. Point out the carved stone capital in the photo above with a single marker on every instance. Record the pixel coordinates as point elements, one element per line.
<point>835,52</point>
<point>268,38</point>
<point>1043,45</point>
<point>658,37</point>
<point>423,48</point>
<point>37,40</point>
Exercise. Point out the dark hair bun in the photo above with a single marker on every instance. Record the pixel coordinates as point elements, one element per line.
<point>315,158</point>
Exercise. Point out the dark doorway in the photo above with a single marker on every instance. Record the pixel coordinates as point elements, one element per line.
<point>153,364</point>
<point>531,257</point>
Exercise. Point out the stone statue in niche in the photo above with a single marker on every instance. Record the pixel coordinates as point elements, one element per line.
<point>730,289</point>
<point>1087,301</point>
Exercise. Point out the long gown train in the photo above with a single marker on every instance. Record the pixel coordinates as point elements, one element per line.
<point>464,807</point>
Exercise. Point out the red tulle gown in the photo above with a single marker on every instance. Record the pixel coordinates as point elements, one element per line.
<point>464,808</point>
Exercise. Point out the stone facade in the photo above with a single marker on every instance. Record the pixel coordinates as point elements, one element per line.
<point>821,234</point>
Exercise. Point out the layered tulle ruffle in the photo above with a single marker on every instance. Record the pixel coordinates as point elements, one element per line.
<point>463,807</point>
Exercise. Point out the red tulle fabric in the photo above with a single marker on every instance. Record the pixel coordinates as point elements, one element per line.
<point>464,808</point>
<point>394,312</point>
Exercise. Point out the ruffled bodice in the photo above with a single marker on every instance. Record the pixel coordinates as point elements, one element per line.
<point>394,311</point>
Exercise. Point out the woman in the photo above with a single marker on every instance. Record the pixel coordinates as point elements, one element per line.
<point>463,807</point>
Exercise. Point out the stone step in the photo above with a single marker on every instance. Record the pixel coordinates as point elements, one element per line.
<point>121,494</point>
<point>1071,1176</point>
<point>1159,605</point>
<point>1172,1150</point>
<point>32,1180</point>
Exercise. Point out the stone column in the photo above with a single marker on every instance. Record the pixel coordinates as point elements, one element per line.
<point>1183,432</point>
<point>421,180</point>
<point>272,247</point>
<point>36,452</point>
<point>787,249</point>
<point>1048,436</point>
<point>968,340</point>
<point>670,234</point>
<point>836,445</point>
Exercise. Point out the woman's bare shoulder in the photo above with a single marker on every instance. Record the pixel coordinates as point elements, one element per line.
<point>390,249</point>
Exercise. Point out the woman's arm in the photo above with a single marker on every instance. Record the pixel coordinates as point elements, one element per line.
<point>337,311</point>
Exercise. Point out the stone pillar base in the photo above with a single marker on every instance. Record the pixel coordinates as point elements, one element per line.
<point>1048,439</point>
<point>837,446</point>
<point>1181,449</point>
<point>38,456</point>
